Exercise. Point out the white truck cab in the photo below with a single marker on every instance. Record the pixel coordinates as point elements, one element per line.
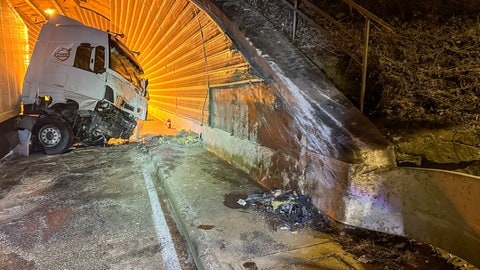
<point>82,85</point>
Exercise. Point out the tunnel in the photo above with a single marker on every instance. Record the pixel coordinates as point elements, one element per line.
<point>222,70</point>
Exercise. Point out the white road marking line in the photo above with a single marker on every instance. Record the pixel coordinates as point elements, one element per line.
<point>164,237</point>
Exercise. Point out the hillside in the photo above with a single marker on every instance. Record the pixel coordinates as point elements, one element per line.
<point>423,84</point>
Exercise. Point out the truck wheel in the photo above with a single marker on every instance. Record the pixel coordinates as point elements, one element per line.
<point>54,135</point>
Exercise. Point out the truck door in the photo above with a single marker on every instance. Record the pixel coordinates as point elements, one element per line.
<point>87,76</point>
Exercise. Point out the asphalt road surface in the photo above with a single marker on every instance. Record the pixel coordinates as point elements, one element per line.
<point>90,208</point>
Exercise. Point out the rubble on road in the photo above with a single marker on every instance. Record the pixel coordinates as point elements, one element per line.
<point>183,137</point>
<point>286,209</point>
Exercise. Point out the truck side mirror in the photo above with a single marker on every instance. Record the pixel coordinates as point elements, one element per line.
<point>144,83</point>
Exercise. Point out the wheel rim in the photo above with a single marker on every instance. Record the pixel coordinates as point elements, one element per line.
<point>50,136</point>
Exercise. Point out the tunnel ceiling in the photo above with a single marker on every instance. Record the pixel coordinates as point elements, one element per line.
<point>183,51</point>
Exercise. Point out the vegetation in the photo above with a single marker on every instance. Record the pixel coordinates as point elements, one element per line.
<point>426,70</point>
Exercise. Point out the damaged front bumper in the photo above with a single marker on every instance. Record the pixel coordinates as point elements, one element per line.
<point>105,122</point>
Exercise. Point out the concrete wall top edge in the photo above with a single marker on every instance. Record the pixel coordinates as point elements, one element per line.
<point>333,125</point>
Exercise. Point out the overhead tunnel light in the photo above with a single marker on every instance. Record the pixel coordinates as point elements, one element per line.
<point>49,11</point>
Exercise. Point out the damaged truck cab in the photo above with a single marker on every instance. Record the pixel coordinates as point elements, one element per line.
<point>82,86</point>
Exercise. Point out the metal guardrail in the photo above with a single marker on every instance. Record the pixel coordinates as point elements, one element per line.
<point>369,17</point>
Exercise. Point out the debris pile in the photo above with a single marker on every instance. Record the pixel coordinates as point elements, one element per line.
<point>287,209</point>
<point>183,137</point>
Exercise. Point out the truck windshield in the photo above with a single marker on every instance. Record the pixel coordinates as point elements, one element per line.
<point>124,63</point>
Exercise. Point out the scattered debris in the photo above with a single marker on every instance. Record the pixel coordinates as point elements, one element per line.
<point>233,200</point>
<point>183,137</point>
<point>205,227</point>
<point>242,202</point>
<point>289,210</point>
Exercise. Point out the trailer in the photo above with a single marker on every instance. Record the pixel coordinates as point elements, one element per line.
<point>82,85</point>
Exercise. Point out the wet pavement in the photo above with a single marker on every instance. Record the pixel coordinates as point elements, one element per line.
<point>86,209</point>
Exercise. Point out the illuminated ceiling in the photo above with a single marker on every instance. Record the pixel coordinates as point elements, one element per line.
<point>183,51</point>
<point>91,12</point>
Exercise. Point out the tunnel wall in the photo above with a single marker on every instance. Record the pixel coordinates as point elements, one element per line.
<point>14,56</point>
<point>433,206</point>
<point>184,53</point>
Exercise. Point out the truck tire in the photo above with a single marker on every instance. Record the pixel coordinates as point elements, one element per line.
<point>53,134</point>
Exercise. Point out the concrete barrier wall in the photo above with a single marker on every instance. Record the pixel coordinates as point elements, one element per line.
<point>252,114</point>
<point>434,206</point>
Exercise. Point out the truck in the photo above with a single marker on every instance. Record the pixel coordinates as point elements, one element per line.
<point>82,85</point>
